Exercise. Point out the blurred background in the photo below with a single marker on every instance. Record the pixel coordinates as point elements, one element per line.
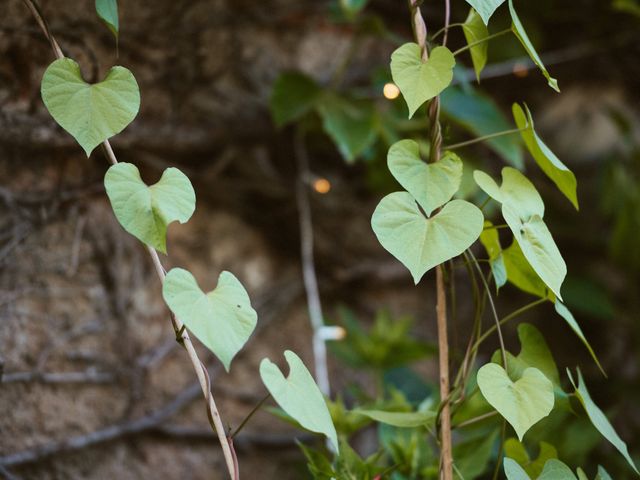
<point>86,346</point>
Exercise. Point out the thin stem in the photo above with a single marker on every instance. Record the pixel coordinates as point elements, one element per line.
<point>447,18</point>
<point>442,30</point>
<point>482,40</point>
<point>511,316</point>
<point>473,141</point>
<point>253,411</point>
<point>200,369</point>
<point>496,472</point>
<point>493,307</point>
<point>308,267</point>
<point>446,455</point>
<point>495,227</point>
<point>477,419</point>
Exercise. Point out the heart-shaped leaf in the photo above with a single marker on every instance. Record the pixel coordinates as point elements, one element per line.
<point>485,8</point>
<point>421,243</point>
<point>553,469</point>
<point>551,165</point>
<point>599,419</point>
<point>475,32</point>
<point>431,184</point>
<point>90,113</point>
<point>222,319</point>
<point>299,396</point>
<point>420,80</point>
<point>293,95</point>
<point>521,34</point>
<point>145,212</point>
<point>108,12</point>
<point>518,452</point>
<point>522,403</point>
<point>523,209</point>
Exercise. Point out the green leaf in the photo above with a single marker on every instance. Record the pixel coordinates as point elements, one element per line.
<point>222,319</point>
<point>491,242</point>
<point>523,209</point>
<point>522,403</point>
<point>517,451</point>
<point>471,458</point>
<point>485,8</point>
<point>400,419</point>
<point>513,470</point>
<point>145,212</point>
<point>564,312</point>
<point>431,184</point>
<point>551,165</point>
<point>350,124</point>
<point>299,396</point>
<point>599,420</point>
<point>352,7</point>
<point>476,31</point>
<point>522,275</point>
<point>521,34</point>
<point>602,474</point>
<point>420,80</point>
<point>554,469</point>
<point>422,243</point>
<point>108,12</point>
<point>480,115</point>
<point>293,95</point>
<point>581,474</point>
<point>90,113</point>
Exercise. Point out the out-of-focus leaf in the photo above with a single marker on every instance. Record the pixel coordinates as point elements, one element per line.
<point>352,7</point>
<point>293,95</point>
<point>517,451</point>
<point>108,12</point>
<point>400,419</point>
<point>478,114</point>
<point>471,458</point>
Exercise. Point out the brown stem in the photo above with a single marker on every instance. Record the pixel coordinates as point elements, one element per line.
<point>200,369</point>
<point>446,456</point>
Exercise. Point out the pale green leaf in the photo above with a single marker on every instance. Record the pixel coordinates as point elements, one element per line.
<point>565,313</point>
<point>582,475</point>
<point>222,319</point>
<point>420,80</point>
<point>422,243</point>
<point>599,420</point>
<point>350,124</point>
<point>299,396</point>
<point>485,8</point>
<point>480,115</point>
<point>352,7</point>
<point>108,12</point>
<point>522,403</point>
<point>145,212</point>
<point>476,31</point>
<point>90,113</point>
<point>517,451</point>
<point>551,165</point>
<point>292,96</point>
<point>400,419</point>
<point>521,34</point>
<point>602,474</point>
<point>431,184</point>
<point>523,209</point>
<point>513,470</point>
<point>554,469</point>
<point>491,242</point>
<point>522,275</point>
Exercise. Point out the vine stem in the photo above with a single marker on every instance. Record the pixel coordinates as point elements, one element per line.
<point>473,141</point>
<point>482,40</point>
<point>181,333</point>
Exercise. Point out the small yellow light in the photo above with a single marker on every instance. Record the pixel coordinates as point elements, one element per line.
<point>390,91</point>
<point>322,185</point>
<point>520,70</point>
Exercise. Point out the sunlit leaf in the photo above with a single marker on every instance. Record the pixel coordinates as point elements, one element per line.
<point>400,419</point>
<point>299,396</point>
<point>90,113</point>
<point>420,80</point>
<point>431,184</point>
<point>222,319</point>
<point>476,31</point>
<point>599,420</point>
<point>522,403</point>
<point>421,243</point>
<point>293,95</point>
<point>521,34</point>
<point>521,274</point>
<point>523,209</point>
<point>551,165</point>
<point>485,8</point>
<point>145,212</point>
